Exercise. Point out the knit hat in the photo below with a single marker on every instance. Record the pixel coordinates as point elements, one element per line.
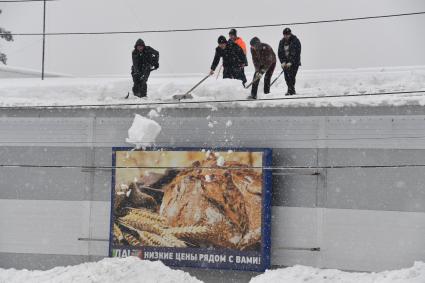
<point>287,31</point>
<point>254,41</point>
<point>221,39</point>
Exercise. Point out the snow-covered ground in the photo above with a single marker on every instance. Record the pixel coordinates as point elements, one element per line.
<point>306,274</point>
<point>113,270</point>
<point>132,269</point>
<point>314,85</point>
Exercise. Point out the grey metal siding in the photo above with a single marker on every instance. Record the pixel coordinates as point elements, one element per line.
<point>358,215</point>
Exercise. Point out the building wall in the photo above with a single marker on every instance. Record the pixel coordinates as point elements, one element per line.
<point>364,209</point>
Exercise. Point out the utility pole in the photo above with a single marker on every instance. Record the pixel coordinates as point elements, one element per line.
<point>44,39</point>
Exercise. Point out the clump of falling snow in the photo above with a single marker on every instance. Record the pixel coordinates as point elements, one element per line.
<point>143,132</point>
<point>153,114</point>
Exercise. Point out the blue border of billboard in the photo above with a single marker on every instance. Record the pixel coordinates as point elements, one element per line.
<point>266,208</point>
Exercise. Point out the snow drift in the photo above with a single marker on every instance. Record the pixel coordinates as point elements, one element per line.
<point>133,269</point>
<point>306,274</point>
<point>108,270</point>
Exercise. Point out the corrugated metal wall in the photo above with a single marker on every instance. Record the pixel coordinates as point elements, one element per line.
<point>365,209</point>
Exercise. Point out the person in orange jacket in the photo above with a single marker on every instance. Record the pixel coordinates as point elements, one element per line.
<point>233,36</point>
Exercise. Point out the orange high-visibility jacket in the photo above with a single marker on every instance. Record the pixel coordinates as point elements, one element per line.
<point>241,44</point>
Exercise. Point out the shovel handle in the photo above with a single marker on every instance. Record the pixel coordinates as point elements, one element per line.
<point>200,82</point>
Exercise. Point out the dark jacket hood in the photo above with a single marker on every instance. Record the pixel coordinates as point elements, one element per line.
<point>139,42</point>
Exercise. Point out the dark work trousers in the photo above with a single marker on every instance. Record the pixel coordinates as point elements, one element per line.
<point>267,79</point>
<point>237,73</point>
<point>140,87</point>
<point>290,74</point>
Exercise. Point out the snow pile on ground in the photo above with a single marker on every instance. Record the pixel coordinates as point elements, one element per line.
<point>305,274</point>
<point>313,86</point>
<point>108,270</point>
<point>133,269</point>
<point>143,131</point>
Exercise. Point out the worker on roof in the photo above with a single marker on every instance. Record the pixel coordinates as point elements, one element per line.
<point>145,59</point>
<point>233,60</point>
<point>264,60</point>
<point>233,36</point>
<point>289,54</point>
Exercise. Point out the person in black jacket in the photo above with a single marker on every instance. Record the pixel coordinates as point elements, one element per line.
<point>233,60</point>
<point>145,60</point>
<point>289,54</point>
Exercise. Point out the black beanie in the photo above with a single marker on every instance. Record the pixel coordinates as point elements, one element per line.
<point>139,42</point>
<point>254,41</point>
<point>233,32</point>
<point>221,39</point>
<point>287,31</point>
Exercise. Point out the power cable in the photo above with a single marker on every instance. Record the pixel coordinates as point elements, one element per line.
<point>207,101</point>
<point>220,28</point>
<point>168,144</point>
<point>22,1</point>
<point>215,168</point>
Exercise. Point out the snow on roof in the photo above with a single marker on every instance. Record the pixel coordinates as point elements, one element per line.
<point>313,87</point>
<point>18,72</point>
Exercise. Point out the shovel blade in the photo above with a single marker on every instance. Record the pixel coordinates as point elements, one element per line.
<point>182,96</point>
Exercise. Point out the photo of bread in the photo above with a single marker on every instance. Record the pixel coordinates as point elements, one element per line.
<point>192,199</point>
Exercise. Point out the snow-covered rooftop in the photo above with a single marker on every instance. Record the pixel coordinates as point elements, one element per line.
<point>19,72</point>
<point>313,87</point>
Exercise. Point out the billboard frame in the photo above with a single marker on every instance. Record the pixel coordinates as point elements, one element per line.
<point>265,209</point>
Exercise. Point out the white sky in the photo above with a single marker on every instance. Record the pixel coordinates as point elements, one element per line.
<point>382,42</point>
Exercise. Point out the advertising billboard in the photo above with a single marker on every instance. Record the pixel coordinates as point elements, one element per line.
<point>192,207</point>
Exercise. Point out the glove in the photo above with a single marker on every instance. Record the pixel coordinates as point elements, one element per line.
<point>211,72</point>
<point>283,65</point>
<point>155,67</point>
<point>258,75</point>
<point>288,65</point>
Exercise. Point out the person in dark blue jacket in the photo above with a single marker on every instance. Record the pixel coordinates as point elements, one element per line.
<point>289,54</point>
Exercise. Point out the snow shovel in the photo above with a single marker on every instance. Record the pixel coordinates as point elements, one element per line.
<point>187,95</point>
<point>276,78</point>
<point>219,71</point>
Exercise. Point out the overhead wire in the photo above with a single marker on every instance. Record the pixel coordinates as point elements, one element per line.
<point>223,27</point>
<point>229,142</point>
<point>209,167</point>
<point>187,102</point>
<point>23,1</point>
